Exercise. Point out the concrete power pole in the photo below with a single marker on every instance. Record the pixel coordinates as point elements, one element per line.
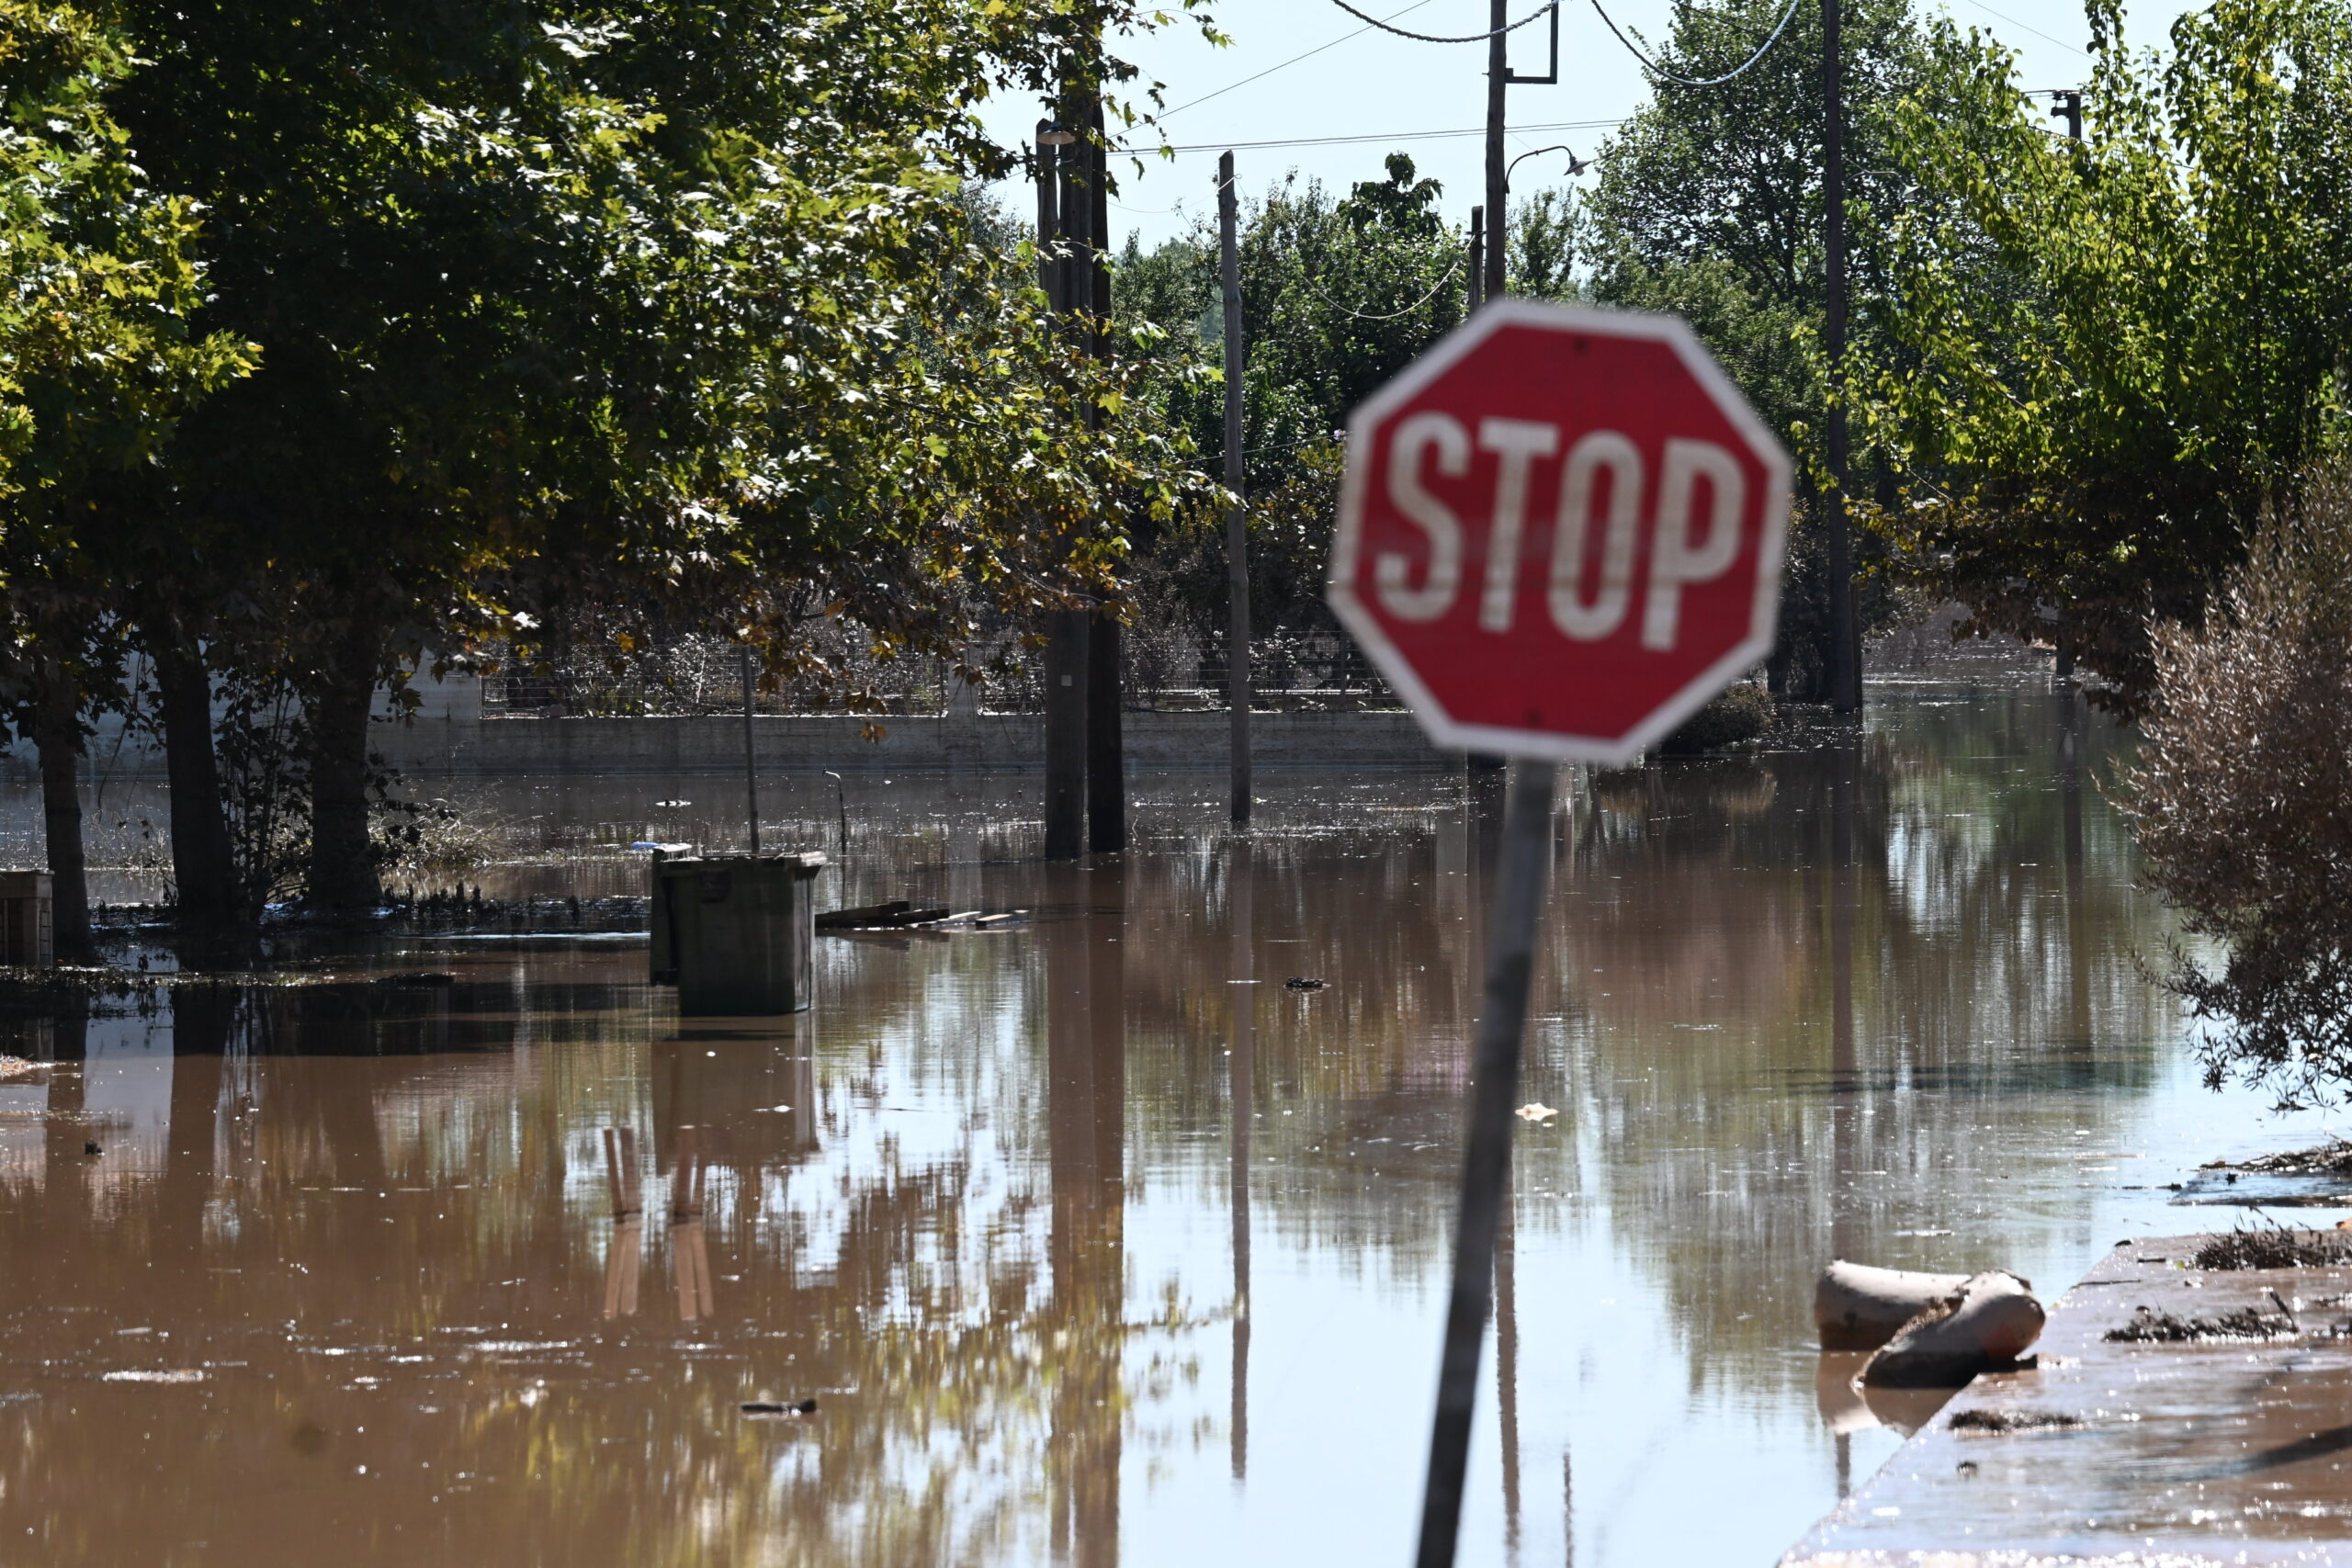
<point>1237,518</point>
<point>1845,651</point>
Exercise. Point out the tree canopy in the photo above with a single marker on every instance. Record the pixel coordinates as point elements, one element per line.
<point>2100,358</point>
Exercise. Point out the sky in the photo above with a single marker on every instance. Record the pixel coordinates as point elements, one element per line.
<point>1357,82</point>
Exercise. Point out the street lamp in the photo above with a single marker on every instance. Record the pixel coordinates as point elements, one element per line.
<point>1576,166</point>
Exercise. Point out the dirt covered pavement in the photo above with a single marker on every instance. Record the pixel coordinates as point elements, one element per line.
<point>2186,1409</point>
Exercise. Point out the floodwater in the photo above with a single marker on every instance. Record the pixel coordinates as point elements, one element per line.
<point>1092,1241</point>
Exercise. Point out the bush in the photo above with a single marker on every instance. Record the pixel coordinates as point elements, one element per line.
<point>1739,713</point>
<point>2242,799</point>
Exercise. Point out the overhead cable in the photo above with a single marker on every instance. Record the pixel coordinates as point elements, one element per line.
<point>1392,315</point>
<point>1378,136</point>
<point>1432,38</point>
<point>1663,74</point>
<point>1293,60</point>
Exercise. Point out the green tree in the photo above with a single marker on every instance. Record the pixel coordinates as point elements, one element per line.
<point>1709,205</point>
<point>2103,357</point>
<point>578,315</point>
<point>1337,296</point>
<point>99,276</point>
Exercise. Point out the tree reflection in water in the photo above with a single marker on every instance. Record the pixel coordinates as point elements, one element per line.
<point>1054,1222</point>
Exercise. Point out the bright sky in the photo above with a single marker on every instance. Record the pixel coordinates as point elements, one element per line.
<point>1357,82</point>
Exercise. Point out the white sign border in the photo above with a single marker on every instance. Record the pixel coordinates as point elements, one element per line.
<point>1442,730</point>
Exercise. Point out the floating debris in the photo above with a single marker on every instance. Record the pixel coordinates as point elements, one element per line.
<point>2149,1326</point>
<point>2276,1247</point>
<point>154,1374</point>
<point>2328,1160</point>
<point>1536,1111</point>
<point>1305,983</point>
<point>768,1409</point>
<point>11,1066</point>
<point>2001,1421</point>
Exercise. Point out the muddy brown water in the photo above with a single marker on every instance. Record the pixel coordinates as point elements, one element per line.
<point>1093,1242</point>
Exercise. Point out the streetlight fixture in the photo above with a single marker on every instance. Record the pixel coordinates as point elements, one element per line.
<point>1576,166</point>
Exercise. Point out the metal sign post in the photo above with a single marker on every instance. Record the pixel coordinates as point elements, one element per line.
<point>1560,533</point>
<point>1485,1161</point>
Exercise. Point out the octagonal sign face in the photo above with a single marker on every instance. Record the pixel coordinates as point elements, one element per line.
<point>1560,532</point>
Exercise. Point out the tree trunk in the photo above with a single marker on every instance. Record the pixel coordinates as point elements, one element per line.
<point>202,865</point>
<point>57,732</point>
<point>343,859</point>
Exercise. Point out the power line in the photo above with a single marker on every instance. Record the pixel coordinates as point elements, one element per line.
<point>1293,60</point>
<point>1662,73</point>
<point>2037,32</point>
<point>1384,136</point>
<point>1392,315</point>
<point>1432,38</point>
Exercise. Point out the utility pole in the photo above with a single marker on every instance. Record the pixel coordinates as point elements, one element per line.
<point>1478,261</point>
<point>1065,662</point>
<point>1497,177</point>
<point>1237,518</point>
<point>1106,759</point>
<point>1845,653</point>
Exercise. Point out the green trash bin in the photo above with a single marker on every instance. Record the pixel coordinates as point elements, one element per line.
<point>736,934</point>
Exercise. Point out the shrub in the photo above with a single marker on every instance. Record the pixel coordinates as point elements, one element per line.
<point>1739,713</point>
<point>2242,800</point>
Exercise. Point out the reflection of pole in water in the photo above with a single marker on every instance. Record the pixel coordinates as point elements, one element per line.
<point>621,1268</point>
<point>689,1249</point>
<point>2070,804</point>
<point>1568,1507</point>
<point>1086,1038</point>
<point>1844,1088</point>
<point>1243,1074</point>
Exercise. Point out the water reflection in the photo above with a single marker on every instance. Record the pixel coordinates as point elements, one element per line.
<point>1094,1243</point>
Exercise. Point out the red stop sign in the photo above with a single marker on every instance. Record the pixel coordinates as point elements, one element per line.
<point>1560,532</point>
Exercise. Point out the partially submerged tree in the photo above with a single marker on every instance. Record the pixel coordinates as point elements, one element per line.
<point>566,307</point>
<point>2242,798</point>
<point>99,276</point>
<point>2107,355</point>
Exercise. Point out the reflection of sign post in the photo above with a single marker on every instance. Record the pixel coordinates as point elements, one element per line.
<point>1560,534</point>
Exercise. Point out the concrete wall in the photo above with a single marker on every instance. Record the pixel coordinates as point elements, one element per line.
<point>973,742</point>
<point>449,737</point>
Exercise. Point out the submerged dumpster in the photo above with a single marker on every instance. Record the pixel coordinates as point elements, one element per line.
<point>735,933</point>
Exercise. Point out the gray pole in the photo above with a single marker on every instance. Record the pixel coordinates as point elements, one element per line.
<point>1845,653</point>
<point>751,753</point>
<point>1498,81</point>
<point>1485,1161</point>
<point>1237,517</point>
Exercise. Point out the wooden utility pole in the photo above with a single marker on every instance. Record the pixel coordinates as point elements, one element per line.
<point>1237,517</point>
<point>1497,174</point>
<point>1065,662</point>
<point>1845,653</point>
<point>1478,261</point>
